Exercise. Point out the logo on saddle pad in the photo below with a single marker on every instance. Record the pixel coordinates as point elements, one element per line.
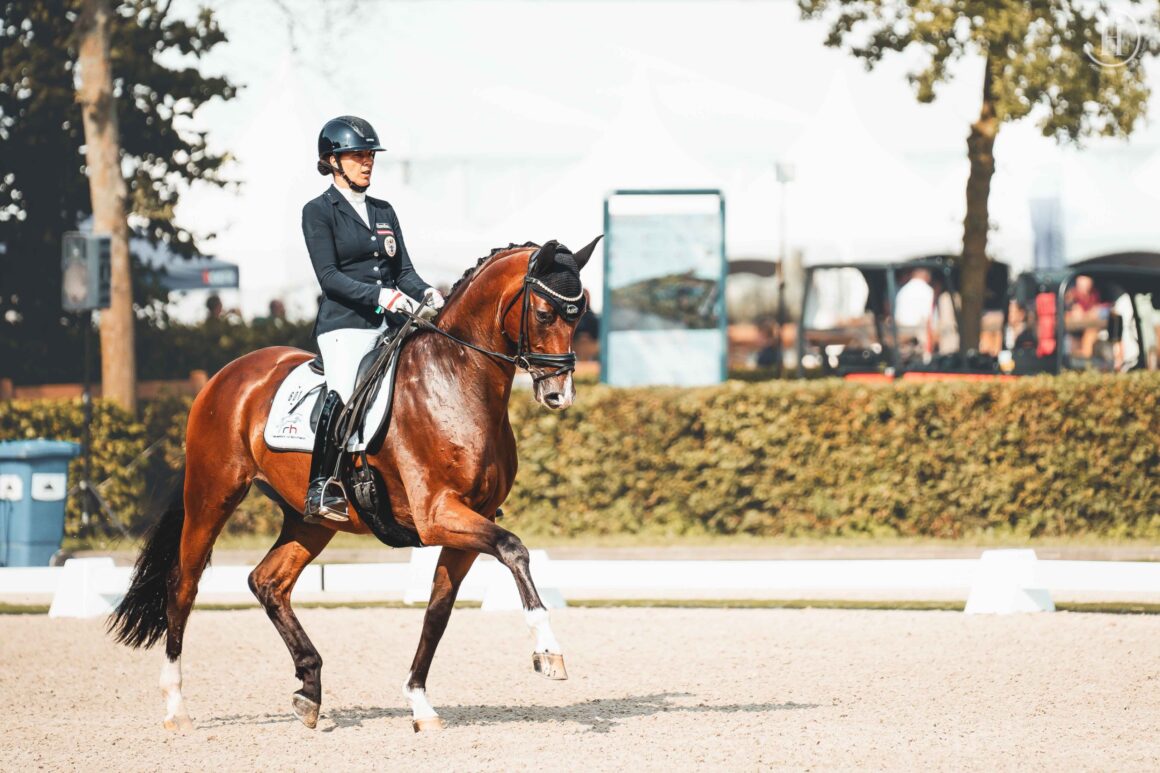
<point>291,426</point>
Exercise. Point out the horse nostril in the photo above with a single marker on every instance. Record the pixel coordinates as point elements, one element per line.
<point>554,399</point>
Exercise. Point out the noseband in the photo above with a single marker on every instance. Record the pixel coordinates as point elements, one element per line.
<point>524,357</point>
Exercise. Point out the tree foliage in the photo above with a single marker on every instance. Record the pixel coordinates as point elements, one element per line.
<point>1038,53</point>
<point>156,59</point>
<point>1039,60</point>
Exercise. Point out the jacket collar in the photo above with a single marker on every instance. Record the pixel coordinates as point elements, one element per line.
<point>337,199</point>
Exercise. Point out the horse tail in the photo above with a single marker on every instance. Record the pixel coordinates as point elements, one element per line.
<point>142,617</point>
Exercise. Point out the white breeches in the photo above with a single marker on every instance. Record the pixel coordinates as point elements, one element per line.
<point>342,350</point>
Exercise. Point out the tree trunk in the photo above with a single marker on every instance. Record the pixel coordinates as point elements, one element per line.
<point>108,192</point>
<point>973,263</point>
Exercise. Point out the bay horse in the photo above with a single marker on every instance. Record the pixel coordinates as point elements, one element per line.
<point>448,459</point>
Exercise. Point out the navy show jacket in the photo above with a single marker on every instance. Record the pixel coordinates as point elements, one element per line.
<point>352,261</point>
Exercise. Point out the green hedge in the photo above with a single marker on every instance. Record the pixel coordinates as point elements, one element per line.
<point>1038,457</point>
<point>1073,455</point>
<point>133,460</point>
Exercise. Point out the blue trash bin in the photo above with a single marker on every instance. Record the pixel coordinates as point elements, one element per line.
<point>33,488</point>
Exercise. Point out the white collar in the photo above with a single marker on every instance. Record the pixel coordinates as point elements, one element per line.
<point>354,197</point>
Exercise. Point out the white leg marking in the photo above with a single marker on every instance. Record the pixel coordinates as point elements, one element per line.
<point>545,640</point>
<point>171,689</point>
<point>421,708</point>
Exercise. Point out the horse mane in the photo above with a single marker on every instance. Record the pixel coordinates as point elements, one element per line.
<point>473,270</point>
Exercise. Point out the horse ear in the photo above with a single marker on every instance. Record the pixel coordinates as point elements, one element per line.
<point>545,257</point>
<point>586,252</point>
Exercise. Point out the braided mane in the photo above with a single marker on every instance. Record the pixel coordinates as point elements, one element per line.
<point>473,270</point>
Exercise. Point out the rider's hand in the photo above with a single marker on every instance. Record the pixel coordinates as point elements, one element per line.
<point>433,298</point>
<point>395,302</point>
<point>432,302</point>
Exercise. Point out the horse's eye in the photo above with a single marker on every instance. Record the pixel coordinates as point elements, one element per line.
<point>544,316</point>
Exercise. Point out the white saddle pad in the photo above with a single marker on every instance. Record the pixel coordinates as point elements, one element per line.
<point>288,426</point>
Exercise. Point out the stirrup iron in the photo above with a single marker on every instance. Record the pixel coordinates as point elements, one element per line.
<point>342,516</point>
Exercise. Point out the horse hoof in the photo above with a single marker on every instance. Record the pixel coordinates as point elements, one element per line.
<point>306,710</point>
<point>426,724</point>
<point>180,723</point>
<point>549,665</point>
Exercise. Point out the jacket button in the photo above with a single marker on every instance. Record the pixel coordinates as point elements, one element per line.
<point>372,238</point>
<point>376,255</point>
<point>376,268</point>
<point>378,281</point>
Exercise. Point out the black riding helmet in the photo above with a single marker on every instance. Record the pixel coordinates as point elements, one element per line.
<point>345,134</point>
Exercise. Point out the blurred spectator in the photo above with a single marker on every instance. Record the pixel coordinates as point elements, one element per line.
<point>913,310</point>
<point>1126,339</point>
<point>1085,314</point>
<point>1083,295</point>
<point>586,342</point>
<point>915,300</point>
<point>767,348</point>
<point>276,317</point>
<point>945,325</point>
<point>213,307</point>
<point>214,311</point>
<point>1019,334</point>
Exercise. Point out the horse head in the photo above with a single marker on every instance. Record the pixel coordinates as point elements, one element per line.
<point>541,315</point>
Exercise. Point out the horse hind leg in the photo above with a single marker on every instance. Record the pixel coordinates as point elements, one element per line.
<point>272,582</point>
<point>210,499</point>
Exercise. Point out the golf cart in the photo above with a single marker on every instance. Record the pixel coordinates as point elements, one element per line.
<point>1098,314</point>
<point>867,320</point>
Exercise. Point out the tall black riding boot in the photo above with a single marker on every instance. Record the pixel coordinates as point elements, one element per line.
<point>322,500</point>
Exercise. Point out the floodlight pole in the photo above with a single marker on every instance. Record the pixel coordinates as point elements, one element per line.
<point>87,417</point>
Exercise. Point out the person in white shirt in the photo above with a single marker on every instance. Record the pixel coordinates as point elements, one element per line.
<point>915,301</point>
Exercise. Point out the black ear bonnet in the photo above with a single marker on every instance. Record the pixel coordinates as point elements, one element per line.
<point>554,276</point>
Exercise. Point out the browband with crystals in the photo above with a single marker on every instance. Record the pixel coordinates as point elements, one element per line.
<point>553,293</point>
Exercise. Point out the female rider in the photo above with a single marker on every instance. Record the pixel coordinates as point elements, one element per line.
<point>362,264</point>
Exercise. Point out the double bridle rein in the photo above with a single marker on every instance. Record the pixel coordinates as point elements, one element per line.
<point>524,357</point>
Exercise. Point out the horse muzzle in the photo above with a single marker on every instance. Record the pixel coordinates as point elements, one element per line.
<point>555,392</point>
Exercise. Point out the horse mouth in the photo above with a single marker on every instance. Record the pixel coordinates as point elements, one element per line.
<point>556,393</point>
<point>556,401</point>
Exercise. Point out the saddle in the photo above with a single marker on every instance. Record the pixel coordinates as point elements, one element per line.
<point>361,424</point>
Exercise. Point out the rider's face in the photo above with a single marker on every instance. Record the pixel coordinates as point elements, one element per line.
<point>358,166</point>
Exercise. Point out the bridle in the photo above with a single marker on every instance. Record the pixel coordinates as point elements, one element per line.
<point>524,357</point>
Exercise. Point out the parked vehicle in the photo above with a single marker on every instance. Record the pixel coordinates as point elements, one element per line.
<point>1098,314</point>
<point>892,319</point>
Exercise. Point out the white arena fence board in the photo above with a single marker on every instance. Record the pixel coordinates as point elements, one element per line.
<point>764,575</point>
<point>1105,576</point>
<point>640,579</point>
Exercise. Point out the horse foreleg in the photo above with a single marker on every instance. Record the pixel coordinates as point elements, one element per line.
<point>456,525</point>
<point>449,573</point>
<point>272,582</point>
